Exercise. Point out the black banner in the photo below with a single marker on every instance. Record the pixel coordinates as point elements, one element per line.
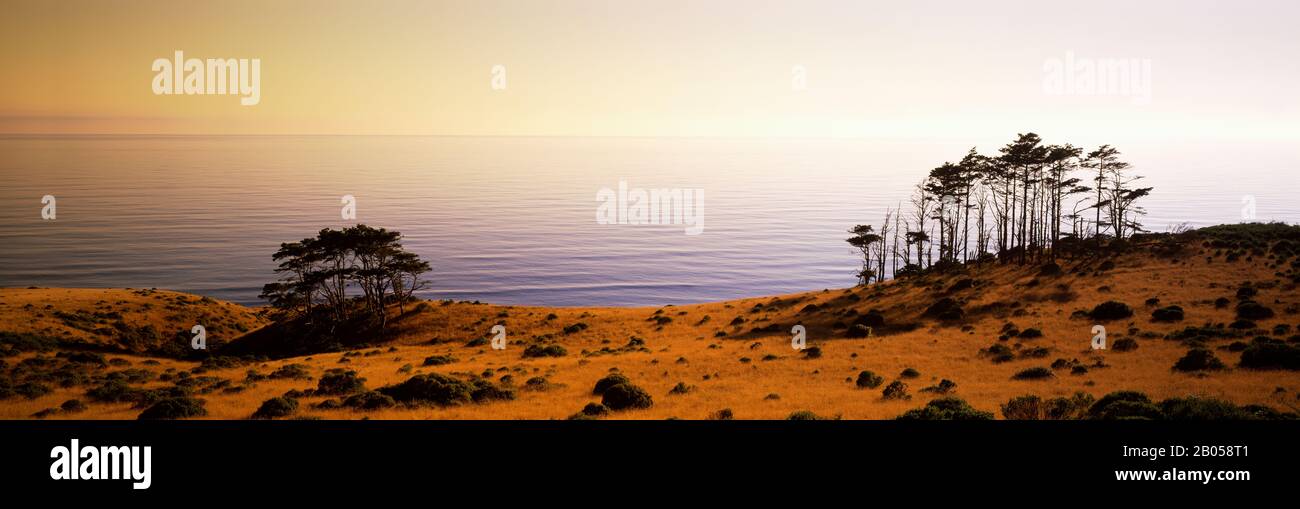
<point>316,458</point>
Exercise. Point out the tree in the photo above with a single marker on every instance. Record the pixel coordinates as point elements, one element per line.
<point>1105,161</point>
<point>371,259</point>
<point>863,238</point>
<point>1016,203</point>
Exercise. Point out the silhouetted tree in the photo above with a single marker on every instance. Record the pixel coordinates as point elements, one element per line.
<point>371,259</point>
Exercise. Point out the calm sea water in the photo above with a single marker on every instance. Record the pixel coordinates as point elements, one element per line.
<point>513,220</point>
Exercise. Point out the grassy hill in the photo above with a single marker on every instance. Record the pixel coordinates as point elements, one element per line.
<point>1219,303</point>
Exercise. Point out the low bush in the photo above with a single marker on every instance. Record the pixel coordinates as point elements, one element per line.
<point>1198,359</point>
<point>1036,373</point>
<point>722,415</point>
<point>575,328</point>
<point>73,406</point>
<point>945,309</point>
<point>1167,314</point>
<point>626,396</point>
<point>1110,310</point>
<point>545,351</point>
<point>438,360</point>
<point>944,386</point>
<point>369,400</point>
<point>1023,408</point>
<point>113,391</point>
<point>869,380</point>
<point>858,331</point>
<point>591,411</point>
<point>1251,310</point>
<point>1125,345</point>
<point>276,407</point>
<point>291,372</point>
<point>1124,405</point>
<point>948,408</point>
<point>608,381</point>
<point>895,390</point>
<point>430,388</point>
<point>1266,353</point>
<point>805,415</point>
<point>340,382</point>
<point>174,408</point>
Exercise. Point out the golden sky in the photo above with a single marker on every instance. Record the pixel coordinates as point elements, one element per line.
<point>923,69</point>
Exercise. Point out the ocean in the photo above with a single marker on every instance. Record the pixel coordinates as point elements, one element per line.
<point>513,220</point>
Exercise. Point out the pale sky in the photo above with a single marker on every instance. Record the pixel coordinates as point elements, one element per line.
<point>906,70</point>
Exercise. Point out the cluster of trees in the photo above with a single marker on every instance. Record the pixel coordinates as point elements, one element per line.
<point>318,274</point>
<point>1028,203</point>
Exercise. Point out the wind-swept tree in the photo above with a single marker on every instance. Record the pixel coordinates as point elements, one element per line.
<point>864,237</point>
<point>1016,205</point>
<point>325,267</point>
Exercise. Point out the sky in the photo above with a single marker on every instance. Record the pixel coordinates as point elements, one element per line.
<point>1205,70</point>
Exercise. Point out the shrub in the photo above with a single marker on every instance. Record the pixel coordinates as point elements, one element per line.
<point>909,373</point>
<point>1124,405</point>
<point>291,371</point>
<point>1031,333</point>
<point>804,415</point>
<point>1194,408</point>
<point>431,388</point>
<point>591,411</point>
<point>1023,408</point>
<point>545,351</point>
<point>438,360</point>
<point>1037,373</point>
<point>872,318</point>
<point>276,407</point>
<point>943,387</point>
<point>947,408</point>
<point>1075,407</point>
<point>575,328</point>
<point>999,353</point>
<point>339,382</point>
<point>32,390</point>
<point>1251,310</point>
<point>608,381</point>
<point>369,400</point>
<point>1110,310</point>
<point>73,406</point>
<point>945,309</point>
<point>722,415</point>
<point>681,388</point>
<point>1125,345</point>
<point>869,380</point>
<point>1168,314</point>
<point>1198,359</point>
<point>858,331</point>
<point>1265,353</point>
<point>626,396</point>
<point>174,408</point>
<point>895,390</point>
<point>113,391</point>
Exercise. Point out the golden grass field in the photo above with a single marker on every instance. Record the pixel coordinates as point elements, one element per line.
<point>757,375</point>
